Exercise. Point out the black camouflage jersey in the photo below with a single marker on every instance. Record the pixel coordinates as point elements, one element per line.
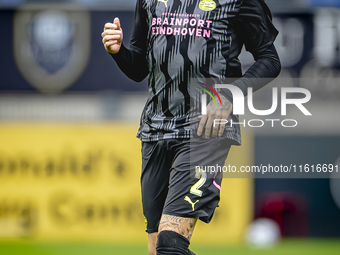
<point>177,42</point>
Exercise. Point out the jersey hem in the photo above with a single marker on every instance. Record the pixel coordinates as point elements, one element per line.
<point>154,138</point>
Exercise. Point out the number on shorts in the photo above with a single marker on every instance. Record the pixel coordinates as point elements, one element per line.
<point>202,176</point>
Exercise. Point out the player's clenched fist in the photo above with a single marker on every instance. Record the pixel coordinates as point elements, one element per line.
<point>112,36</point>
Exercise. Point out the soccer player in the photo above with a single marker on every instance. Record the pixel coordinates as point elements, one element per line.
<point>177,43</point>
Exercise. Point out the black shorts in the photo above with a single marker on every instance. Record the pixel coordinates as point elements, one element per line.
<point>172,182</point>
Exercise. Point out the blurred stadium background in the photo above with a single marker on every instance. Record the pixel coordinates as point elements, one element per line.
<point>70,162</point>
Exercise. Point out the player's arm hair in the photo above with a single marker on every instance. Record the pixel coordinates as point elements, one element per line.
<point>133,61</point>
<point>254,26</point>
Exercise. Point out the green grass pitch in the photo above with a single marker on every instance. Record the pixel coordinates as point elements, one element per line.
<point>291,247</point>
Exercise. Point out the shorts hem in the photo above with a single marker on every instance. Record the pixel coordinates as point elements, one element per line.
<point>150,231</point>
<point>201,216</point>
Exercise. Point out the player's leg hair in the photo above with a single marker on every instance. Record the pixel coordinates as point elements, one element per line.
<point>152,237</point>
<point>174,235</point>
<point>180,225</point>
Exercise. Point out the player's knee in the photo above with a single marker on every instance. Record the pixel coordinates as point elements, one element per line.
<point>171,243</point>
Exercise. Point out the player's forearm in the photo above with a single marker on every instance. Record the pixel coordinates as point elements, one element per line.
<point>132,64</point>
<point>266,68</point>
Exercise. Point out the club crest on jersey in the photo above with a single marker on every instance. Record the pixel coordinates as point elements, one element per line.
<point>51,45</point>
<point>165,2</point>
<point>207,5</point>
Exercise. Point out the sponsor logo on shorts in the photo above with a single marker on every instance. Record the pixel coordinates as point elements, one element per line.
<point>190,202</point>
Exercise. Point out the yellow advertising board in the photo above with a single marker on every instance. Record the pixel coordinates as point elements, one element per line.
<point>79,182</point>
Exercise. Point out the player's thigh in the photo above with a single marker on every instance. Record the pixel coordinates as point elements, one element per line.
<point>196,194</point>
<point>154,182</point>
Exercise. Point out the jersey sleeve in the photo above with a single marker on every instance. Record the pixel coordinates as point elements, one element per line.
<point>132,61</point>
<point>254,26</point>
<point>140,31</point>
